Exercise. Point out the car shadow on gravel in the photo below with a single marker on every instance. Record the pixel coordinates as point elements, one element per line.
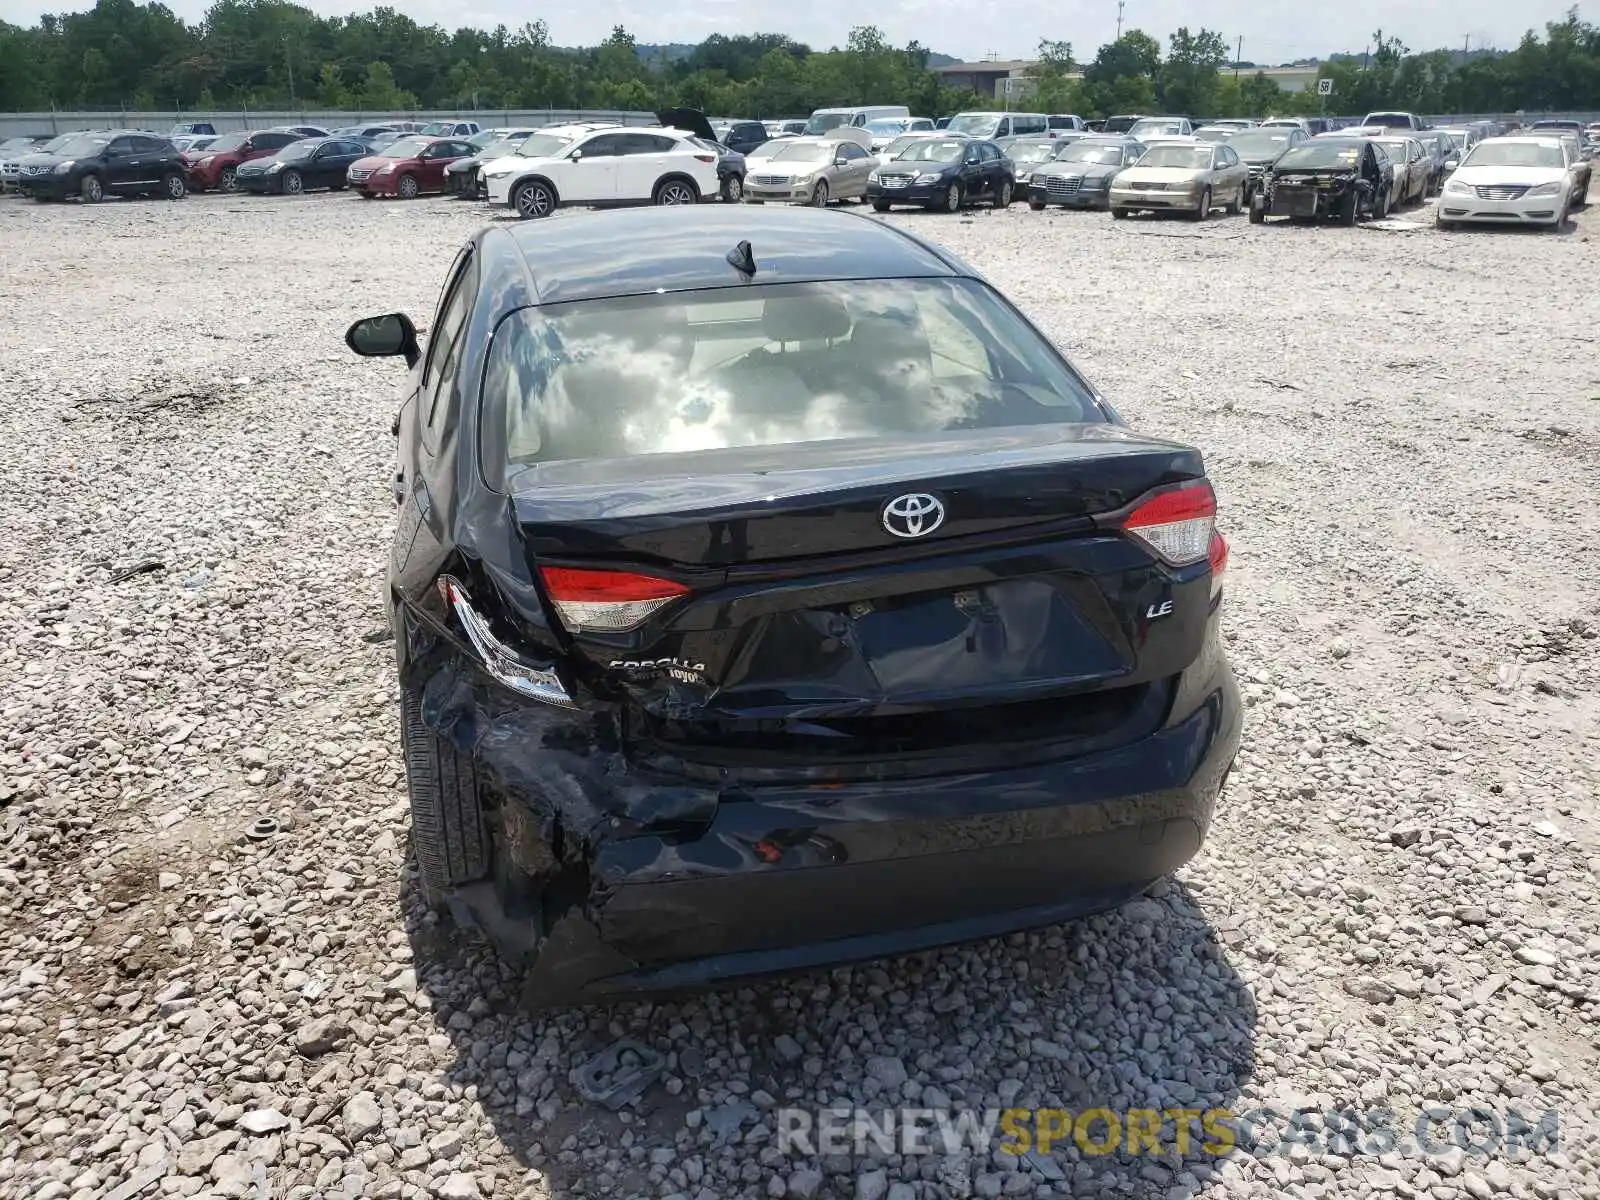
<point>1138,1009</point>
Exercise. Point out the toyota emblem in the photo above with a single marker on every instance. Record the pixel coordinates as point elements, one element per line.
<point>916,514</point>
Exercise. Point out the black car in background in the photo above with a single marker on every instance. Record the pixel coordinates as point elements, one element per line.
<point>1339,179</point>
<point>117,162</point>
<point>1259,148</point>
<point>744,136</point>
<point>944,174</point>
<point>694,688</point>
<point>302,166</point>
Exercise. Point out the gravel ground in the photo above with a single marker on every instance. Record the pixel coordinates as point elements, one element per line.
<point>1397,908</point>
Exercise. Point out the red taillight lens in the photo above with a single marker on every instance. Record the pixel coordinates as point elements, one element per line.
<point>1177,524</point>
<point>705,158</point>
<point>606,600</point>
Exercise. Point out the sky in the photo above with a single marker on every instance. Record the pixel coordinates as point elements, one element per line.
<point>1273,32</point>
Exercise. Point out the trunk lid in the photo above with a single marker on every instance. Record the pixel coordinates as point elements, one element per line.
<point>808,631</point>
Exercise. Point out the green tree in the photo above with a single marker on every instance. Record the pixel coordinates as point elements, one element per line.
<point>1187,81</point>
<point>379,90</point>
<point>1051,88</point>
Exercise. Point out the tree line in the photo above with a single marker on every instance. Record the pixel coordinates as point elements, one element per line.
<point>270,53</point>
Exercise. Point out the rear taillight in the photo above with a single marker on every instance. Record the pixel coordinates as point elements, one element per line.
<point>606,601</point>
<point>1219,562</point>
<point>1177,524</point>
<point>503,663</point>
<point>705,158</point>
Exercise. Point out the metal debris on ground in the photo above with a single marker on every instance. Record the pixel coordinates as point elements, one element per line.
<point>619,1074</point>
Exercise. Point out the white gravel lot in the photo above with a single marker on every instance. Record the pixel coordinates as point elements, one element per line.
<point>1397,908</point>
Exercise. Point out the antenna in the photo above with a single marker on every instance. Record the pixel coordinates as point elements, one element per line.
<point>742,259</point>
<point>1121,4</point>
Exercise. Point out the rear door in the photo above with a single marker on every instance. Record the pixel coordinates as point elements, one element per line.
<point>643,158</point>
<point>121,170</point>
<point>851,175</point>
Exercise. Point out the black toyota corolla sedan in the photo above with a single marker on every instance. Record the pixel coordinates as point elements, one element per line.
<point>768,593</point>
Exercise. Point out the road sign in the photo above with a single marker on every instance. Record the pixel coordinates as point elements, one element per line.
<point>1324,87</point>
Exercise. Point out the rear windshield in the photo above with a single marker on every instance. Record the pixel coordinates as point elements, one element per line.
<point>763,366</point>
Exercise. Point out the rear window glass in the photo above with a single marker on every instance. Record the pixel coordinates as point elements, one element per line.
<point>764,366</point>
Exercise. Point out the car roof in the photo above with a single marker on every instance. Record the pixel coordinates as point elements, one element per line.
<point>630,252</point>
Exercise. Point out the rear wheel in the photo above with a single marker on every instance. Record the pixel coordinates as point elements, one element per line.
<point>408,187</point>
<point>173,187</point>
<point>732,189</point>
<point>1258,211</point>
<point>448,833</point>
<point>92,189</point>
<point>676,191</point>
<point>1004,196</point>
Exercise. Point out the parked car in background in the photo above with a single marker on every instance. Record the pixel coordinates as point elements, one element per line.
<point>824,119</point>
<point>1310,126</point>
<point>464,178</point>
<point>450,129</point>
<point>217,165</point>
<point>905,139</point>
<point>407,168</point>
<point>886,129</point>
<point>743,136</point>
<point>732,167</point>
<point>302,166</point>
<point>1258,148</point>
<point>1119,124</point>
<point>1409,122</point>
<point>944,173</point>
<point>1235,123</point>
<point>1215,133</point>
<point>308,131</point>
<point>1411,169</point>
<point>793,126</point>
<point>1550,124</point>
<point>1028,153</point>
<point>996,125</point>
<point>814,171</point>
<point>192,129</point>
<point>1437,148</point>
<point>603,166</point>
<point>1462,139</point>
<point>13,150</point>
<point>1193,178</point>
<point>363,133</point>
<point>1068,122</point>
<point>1579,162</point>
<point>118,162</point>
<point>1510,181</point>
<point>1342,179</point>
<point>192,142</point>
<point>1147,129</point>
<point>1080,175</point>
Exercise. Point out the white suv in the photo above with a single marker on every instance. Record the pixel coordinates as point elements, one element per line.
<point>599,166</point>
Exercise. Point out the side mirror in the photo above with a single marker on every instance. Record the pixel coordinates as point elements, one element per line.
<point>575,155</point>
<point>384,337</point>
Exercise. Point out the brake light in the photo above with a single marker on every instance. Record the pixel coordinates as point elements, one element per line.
<point>1219,561</point>
<point>1177,524</point>
<point>606,601</point>
<point>705,158</point>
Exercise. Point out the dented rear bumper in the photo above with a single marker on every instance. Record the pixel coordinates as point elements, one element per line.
<point>612,879</point>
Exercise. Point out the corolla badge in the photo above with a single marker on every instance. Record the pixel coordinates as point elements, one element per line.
<point>915,514</point>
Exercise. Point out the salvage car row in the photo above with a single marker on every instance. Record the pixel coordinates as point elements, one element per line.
<point>1279,170</point>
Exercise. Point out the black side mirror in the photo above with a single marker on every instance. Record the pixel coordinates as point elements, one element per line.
<point>387,336</point>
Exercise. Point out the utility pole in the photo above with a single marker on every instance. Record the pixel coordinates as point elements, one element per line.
<point>288,59</point>
<point>1466,44</point>
<point>1121,4</point>
<point>1238,57</point>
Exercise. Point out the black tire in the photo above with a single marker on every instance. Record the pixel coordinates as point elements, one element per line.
<point>173,186</point>
<point>672,192</point>
<point>1234,209</point>
<point>880,206</point>
<point>1580,198</point>
<point>366,195</point>
<point>1203,209</point>
<point>92,189</point>
<point>1442,225</point>
<point>1005,195</point>
<point>819,194</point>
<point>1036,205</point>
<point>1350,209</point>
<point>1380,206</point>
<point>732,189</point>
<point>228,180</point>
<point>1120,214</point>
<point>1258,212</point>
<point>292,183</point>
<point>533,200</point>
<point>954,197</point>
<point>408,188</point>
<point>448,833</point>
